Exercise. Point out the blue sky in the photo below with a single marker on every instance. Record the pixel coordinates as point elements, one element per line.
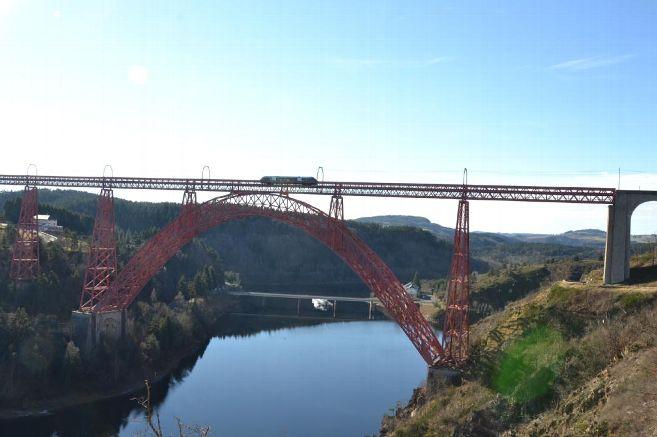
<point>528,92</point>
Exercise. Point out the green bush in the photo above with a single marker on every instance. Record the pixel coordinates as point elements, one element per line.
<point>632,301</point>
<point>528,368</point>
<point>560,295</point>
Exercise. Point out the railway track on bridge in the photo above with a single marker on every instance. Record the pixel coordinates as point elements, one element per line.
<point>523,193</point>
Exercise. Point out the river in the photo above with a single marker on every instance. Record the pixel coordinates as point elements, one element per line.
<point>330,379</point>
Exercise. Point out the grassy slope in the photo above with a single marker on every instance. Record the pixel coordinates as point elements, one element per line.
<point>570,359</point>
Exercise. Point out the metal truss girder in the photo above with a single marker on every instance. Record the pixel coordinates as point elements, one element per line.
<point>522,193</point>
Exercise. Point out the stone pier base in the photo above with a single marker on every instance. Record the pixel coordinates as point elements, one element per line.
<point>441,377</point>
<point>90,328</point>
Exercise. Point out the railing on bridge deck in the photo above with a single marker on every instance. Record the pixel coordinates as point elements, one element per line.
<point>524,193</point>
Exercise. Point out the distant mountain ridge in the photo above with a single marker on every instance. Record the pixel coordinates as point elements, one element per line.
<point>412,221</point>
<point>590,238</point>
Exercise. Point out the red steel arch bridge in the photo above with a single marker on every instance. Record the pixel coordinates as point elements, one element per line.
<point>106,289</point>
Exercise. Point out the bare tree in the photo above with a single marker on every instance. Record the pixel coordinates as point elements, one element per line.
<point>153,420</point>
<point>184,430</point>
<point>145,402</point>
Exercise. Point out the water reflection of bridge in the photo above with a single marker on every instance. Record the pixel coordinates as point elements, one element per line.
<point>372,302</point>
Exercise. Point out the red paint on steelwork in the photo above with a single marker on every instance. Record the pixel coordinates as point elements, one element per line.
<point>101,263</point>
<point>196,220</point>
<point>456,330</point>
<point>25,253</point>
<point>189,199</point>
<point>337,206</point>
<point>522,193</point>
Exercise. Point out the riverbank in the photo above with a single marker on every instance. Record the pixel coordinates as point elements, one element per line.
<point>568,359</point>
<point>223,322</point>
<point>131,386</point>
<point>141,355</point>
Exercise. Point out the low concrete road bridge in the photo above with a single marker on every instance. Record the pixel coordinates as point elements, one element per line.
<point>371,301</point>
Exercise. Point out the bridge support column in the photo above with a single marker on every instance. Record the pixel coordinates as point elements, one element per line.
<point>189,199</point>
<point>440,377</point>
<point>456,329</point>
<point>25,253</point>
<point>111,325</point>
<point>83,330</point>
<point>101,264</point>
<point>369,313</point>
<point>89,328</point>
<point>336,211</point>
<point>617,247</point>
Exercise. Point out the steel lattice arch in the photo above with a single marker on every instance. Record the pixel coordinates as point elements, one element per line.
<point>194,220</point>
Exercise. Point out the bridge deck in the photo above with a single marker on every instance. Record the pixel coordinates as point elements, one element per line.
<point>368,189</point>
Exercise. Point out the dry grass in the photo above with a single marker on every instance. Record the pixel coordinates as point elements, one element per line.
<point>446,411</point>
<point>620,400</point>
<point>607,384</point>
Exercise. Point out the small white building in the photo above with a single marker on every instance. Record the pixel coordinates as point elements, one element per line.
<point>412,289</point>
<point>49,225</point>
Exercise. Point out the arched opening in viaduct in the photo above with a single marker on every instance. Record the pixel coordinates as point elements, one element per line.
<point>618,250</point>
<point>643,252</point>
<point>195,220</point>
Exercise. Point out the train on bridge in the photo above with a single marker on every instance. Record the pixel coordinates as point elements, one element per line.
<point>307,181</point>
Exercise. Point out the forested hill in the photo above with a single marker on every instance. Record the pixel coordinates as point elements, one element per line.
<point>267,255</point>
<point>130,216</point>
<point>500,249</point>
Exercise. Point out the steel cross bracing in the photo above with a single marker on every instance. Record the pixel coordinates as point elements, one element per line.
<point>101,262</point>
<point>371,189</point>
<point>456,330</point>
<point>25,253</point>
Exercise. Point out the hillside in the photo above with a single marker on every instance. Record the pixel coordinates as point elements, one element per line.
<point>580,238</point>
<point>570,359</point>
<point>439,231</point>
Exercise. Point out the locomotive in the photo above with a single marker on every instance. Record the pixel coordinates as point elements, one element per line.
<point>288,180</point>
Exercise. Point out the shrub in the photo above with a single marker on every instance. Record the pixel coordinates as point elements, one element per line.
<point>560,295</point>
<point>632,301</point>
<point>528,368</point>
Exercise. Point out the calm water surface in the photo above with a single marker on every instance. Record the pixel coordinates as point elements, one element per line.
<point>334,379</point>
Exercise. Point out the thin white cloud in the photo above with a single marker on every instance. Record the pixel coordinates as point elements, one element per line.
<point>589,63</point>
<point>355,62</point>
<point>439,60</point>
<point>371,62</point>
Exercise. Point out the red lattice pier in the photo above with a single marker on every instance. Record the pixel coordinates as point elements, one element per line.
<point>25,253</point>
<point>101,264</point>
